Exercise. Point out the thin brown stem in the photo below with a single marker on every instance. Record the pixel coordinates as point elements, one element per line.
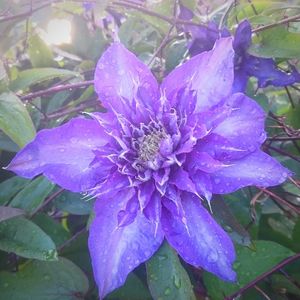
<point>280,200</point>
<point>155,14</point>
<point>47,201</point>
<point>55,89</point>
<point>25,14</point>
<point>264,275</point>
<point>281,22</point>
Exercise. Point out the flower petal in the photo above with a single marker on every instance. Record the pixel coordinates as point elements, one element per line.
<point>204,162</point>
<point>267,72</point>
<point>257,168</point>
<point>145,192</point>
<point>64,155</point>
<point>199,240</point>
<point>244,127</point>
<point>242,38</point>
<point>116,251</point>
<point>181,179</point>
<point>123,82</point>
<point>203,184</point>
<point>210,74</point>
<point>220,148</point>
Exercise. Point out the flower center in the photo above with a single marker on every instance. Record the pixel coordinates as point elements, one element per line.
<point>149,144</point>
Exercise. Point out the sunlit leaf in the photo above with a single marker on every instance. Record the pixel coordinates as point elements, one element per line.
<point>40,54</point>
<point>277,42</point>
<point>15,120</point>
<point>33,76</point>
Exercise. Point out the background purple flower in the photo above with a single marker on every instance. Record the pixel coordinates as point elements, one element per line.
<point>245,64</point>
<point>153,158</point>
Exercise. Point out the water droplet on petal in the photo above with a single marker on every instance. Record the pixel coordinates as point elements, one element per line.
<point>212,257</point>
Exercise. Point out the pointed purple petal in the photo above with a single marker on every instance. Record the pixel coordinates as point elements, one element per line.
<point>64,155</point>
<point>145,192</point>
<point>220,148</point>
<point>153,210</point>
<point>203,184</point>
<point>127,215</point>
<point>181,179</point>
<point>257,168</point>
<point>267,72</point>
<point>123,82</point>
<point>202,161</point>
<point>244,127</point>
<point>116,251</point>
<point>242,38</point>
<point>210,74</point>
<point>200,241</point>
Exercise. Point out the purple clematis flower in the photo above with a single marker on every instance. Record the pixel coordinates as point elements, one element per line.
<point>153,158</point>
<point>245,64</point>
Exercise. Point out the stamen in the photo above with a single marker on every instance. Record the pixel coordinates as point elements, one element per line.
<point>149,144</point>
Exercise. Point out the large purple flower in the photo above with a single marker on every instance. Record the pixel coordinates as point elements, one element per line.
<point>245,64</point>
<point>153,158</point>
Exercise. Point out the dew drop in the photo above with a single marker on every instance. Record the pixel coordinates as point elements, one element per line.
<point>47,277</point>
<point>217,180</point>
<point>162,257</point>
<point>236,265</point>
<point>177,282</point>
<point>212,257</point>
<point>167,291</point>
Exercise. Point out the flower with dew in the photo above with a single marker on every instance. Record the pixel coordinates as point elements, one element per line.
<point>245,64</point>
<point>154,157</point>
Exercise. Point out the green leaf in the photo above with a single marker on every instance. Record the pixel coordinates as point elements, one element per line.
<point>133,289</point>
<point>162,7</point>
<point>238,203</point>
<point>86,43</point>
<point>38,280</point>
<point>7,144</point>
<point>15,120</point>
<point>33,76</point>
<point>277,42</point>
<point>10,187</point>
<point>292,117</point>
<point>249,264</point>
<point>39,53</point>
<point>296,236</point>
<point>175,53</point>
<point>26,239</point>
<point>33,194</point>
<point>54,229</point>
<point>257,11</point>
<point>7,212</point>
<point>280,283</point>
<point>73,203</point>
<point>227,220</point>
<point>276,227</point>
<point>147,39</point>
<point>167,279</point>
